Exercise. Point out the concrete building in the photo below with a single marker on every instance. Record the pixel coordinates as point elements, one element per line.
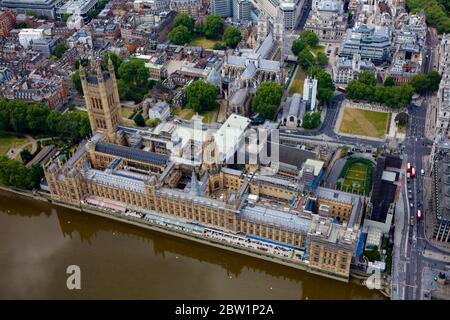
<point>27,36</point>
<point>161,111</point>
<point>373,44</point>
<point>75,7</point>
<point>310,93</point>
<point>222,8</point>
<point>241,10</point>
<point>288,11</point>
<point>443,94</point>
<point>346,70</point>
<point>39,7</point>
<point>327,20</point>
<point>45,46</point>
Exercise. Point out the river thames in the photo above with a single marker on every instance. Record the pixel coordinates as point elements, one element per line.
<point>38,241</point>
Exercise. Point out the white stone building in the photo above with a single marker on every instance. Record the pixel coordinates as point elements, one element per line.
<point>345,69</point>
<point>327,20</point>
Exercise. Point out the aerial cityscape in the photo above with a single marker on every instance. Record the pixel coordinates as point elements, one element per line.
<point>281,149</point>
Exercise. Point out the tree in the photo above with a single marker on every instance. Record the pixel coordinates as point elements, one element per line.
<point>25,155</point>
<point>420,83</point>
<point>213,26</point>
<point>325,85</point>
<point>36,117</point>
<point>15,174</point>
<point>183,19</point>
<point>297,46</point>
<point>321,59</point>
<point>198,28</point>
<point>59,50</point>
<point>373,255</point>
<point>310,38</point>
<point>134,73</point>
<point>180,35</point>
<point>116,61</point>
<point>65,17</point>
<point>18,116</point>
<point>368,77</point>
<point>201,96</point>
<point>389,82</point>
<point>311,120</point>
<point>434,78</point>
<point>219,46</point>
<point>21,25</point>
<point>305,59</point>
<point>139,120</point>
<point>232,36</point>
<point>401,118</point>
<point>267,99</point>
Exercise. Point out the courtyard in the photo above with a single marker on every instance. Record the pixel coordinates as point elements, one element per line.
<point>356,176</point>
<point>363,122</point>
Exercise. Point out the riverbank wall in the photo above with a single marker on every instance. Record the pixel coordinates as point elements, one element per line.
<point>35,195</point>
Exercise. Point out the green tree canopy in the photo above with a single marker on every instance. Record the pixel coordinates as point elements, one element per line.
<point>59,50</point>
<point>310,38</point>
<point>305,59</point>
<point>114,59</point>
<point>298,45</point>
<point>389,82</point>
<point>201,96</point>
<point>321,59</point>
<point>134,73</point>
<point>180,35</point>
<point>267,99</point>
<point>401,118</point>
<point>213,26</point>
<point>311,120</point>
<point>232,37</point>
<point>368,77</point>
<point>183,19</point>
<point>15,174</point>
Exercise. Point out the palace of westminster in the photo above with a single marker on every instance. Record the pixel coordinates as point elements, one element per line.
<point>184,171</point>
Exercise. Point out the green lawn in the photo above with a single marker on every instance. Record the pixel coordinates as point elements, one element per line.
<point>297,82</point>
<point>365,122</point>
<point>210,116</point>
<point>315,50</point>
<point>401,129</point>
<point>203,42</point>
<point>8,141</point>
<point>355,179</point>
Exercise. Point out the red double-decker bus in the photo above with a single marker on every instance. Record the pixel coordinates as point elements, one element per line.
<point>413,172</point>
<point>408,167</point>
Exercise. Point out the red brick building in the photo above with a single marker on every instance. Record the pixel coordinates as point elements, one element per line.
<point>7,22</point>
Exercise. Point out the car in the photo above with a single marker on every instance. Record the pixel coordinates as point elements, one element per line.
<point>411,205</point>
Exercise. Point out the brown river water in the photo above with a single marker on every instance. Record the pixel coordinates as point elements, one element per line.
<point>38,241</point>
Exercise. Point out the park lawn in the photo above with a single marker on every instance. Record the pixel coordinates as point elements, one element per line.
<point>364,122</point>
<point>401,129</point>
<point>356,176</point>
<point>315,50</point>
<point>210,116</point>
<point>126,112</point>
<point>185,114</point>
<point>8,141</point>
<point>204,43</point>
<point>298,82</point>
